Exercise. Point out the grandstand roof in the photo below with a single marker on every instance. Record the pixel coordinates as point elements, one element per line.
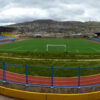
<point>6,29</point>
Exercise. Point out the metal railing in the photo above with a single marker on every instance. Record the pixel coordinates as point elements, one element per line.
<point>51,81</point>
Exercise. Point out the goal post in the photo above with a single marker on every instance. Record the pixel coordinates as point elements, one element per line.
<point>56,45</point>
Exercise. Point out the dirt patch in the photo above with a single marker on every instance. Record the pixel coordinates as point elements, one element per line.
<point>39,59</point>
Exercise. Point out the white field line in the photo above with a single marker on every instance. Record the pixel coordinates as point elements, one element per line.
<point>35,49</point>
<point>21,50</point>
<point>11,49</point>
<point>77,51</point>
<point>15,48</point>
<point>95,49</point>
<point>2,49</point>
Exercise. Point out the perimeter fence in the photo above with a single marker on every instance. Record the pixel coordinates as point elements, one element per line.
<point>50,76</point>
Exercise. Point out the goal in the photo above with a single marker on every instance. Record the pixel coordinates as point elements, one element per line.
<point>61,47</point>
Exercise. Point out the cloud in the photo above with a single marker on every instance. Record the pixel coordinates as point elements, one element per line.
<point>15,11</point>
<point>22,14</point>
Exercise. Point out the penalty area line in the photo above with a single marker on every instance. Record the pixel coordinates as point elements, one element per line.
<point>95,49</point>
<point>15,48</point>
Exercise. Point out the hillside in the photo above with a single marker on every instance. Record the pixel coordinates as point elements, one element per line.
<point>50,27</point>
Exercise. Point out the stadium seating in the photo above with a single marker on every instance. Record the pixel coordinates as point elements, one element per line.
<point>7,37</point>
<point>95,39</point>
<point>1,37</point>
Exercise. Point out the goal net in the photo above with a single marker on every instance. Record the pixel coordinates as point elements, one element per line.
<point>56,47</point>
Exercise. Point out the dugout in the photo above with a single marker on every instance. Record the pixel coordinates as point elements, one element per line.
<point>38,36</point>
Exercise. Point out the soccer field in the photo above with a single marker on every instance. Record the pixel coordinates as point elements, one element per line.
<point>40,45</point>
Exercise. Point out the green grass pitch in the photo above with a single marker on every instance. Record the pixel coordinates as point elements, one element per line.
<point>39,45</point>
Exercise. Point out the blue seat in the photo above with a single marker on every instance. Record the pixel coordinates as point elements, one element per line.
<point>10,37</point>
<point>1,37</point>
<point>95,39</point>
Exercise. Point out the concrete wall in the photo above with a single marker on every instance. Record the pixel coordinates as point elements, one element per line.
<point>20,94</point>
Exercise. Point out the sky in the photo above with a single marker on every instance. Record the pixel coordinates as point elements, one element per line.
<point>17,11</point>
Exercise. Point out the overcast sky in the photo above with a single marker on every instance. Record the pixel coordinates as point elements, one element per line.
<point>16,11</point>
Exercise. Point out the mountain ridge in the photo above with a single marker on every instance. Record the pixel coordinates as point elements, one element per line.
<point>49,26</point>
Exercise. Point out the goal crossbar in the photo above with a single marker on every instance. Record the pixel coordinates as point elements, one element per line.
<point>58,45</point>
<point>55,45</point>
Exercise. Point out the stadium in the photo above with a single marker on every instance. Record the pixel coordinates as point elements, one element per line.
<point>49,65</point>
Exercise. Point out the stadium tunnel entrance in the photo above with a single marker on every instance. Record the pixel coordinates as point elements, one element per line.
<point>97,34</point>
